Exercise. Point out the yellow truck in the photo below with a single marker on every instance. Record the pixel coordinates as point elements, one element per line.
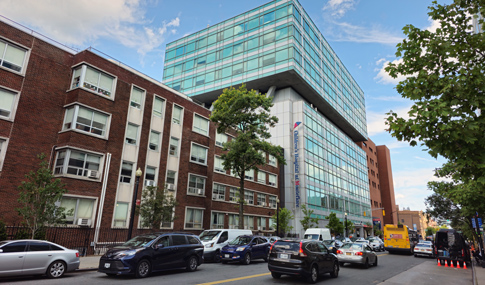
<point>398,239</point>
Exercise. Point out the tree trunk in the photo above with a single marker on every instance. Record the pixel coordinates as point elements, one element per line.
<point>241,202</point>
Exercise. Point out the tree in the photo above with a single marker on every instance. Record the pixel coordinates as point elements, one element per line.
<point>430,231</point>
<point>349,225</point>
<point>247,114</point>
<point>334,224</point>
<point>307,221</point>
<point>444,70</point>
<point>38,197</point>
<point>377,232</point>
<point>284,218</point>
<point>156,207</point>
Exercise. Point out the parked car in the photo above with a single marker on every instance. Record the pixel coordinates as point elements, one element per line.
<point>36,257</point>
<point>272,239</point>
<point>215,239</point>
<point>363,241</point>
<point>424,249</point>
<point>345,240</point>
<point>333,244</point>
<point>320,234</point>
<point>357,253</point>
<point>306,258</point>
<point>246,248</point>
<point>376,243</point>
<point>147,253</point>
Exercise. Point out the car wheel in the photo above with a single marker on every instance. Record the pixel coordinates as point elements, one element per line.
<point>334,273</point>
<point>276,275</point>
<point>192,264</point>
<point>341,263</point>
<point>143,269</point>
<point>247,259</point>
<point>56,269</point>
<point>375,263</point>
<point>217,257</point>
<point>366,264</point>
<point>313,275</point>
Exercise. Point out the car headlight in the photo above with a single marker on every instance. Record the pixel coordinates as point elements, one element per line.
<point>127,253</point>
<point>209,245</point>
<point>241,248</point>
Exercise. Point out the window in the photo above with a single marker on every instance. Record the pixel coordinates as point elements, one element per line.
<point>7,102</point>
<point>233,194</point>
<point>79,163</point>
<point>158,105</point>
<point>131,134</point>
<point>233,221</point>
<point>177,114</point>
<point>126,172</point>
<point>272,179</point>
<point>261,223</point>
<point>219,192</point>
<point>193,218</point>
<point>39,246</point>
<point>93,79</point>
<point>174,146</point>
<point>249,222</point>
<point>15,246</point>
<point>249,197</point>
<point>201,125</point>
<point>261,200</point>
<point>221,139</point>
<point>272,201</point>
<point>272,160</point>
<point>218,165</point>
<point>196,185</point>
<point>121,212</point>
<point>217,221</point>
<point>150,173</point>
<point>80,208</point>
<point>12,56</point>
<point>249,174</point>
<point>261,177</point>
<point>154,141</point>
<point>198,154</point>
<point>136,97</point>
<point>170,177</point>
<point>86,120</point>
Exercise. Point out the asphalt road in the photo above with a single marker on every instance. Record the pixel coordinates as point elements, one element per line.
<point>392,269</point>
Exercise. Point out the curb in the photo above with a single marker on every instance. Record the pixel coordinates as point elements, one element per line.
<point>85,269</point>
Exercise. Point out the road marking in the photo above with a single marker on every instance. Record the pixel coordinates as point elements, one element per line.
<point>235,279</point>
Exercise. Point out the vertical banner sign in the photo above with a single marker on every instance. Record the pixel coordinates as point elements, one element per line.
<point>297,164</point>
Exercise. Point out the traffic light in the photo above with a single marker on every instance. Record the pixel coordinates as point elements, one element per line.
<point>364,214</point>
<point>383,212</point>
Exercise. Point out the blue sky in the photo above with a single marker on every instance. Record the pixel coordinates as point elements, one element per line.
<point>363,33</point>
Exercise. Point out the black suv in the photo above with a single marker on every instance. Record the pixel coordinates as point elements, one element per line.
<point>450,246</point>
<point>144,254</point>
<point>305,258</point>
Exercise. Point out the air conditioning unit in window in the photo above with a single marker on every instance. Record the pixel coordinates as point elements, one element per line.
<point>84,222</point>
<point>200,191</point>
<point>170,187</point>
<point>150,183</point>
<point>93,174</point>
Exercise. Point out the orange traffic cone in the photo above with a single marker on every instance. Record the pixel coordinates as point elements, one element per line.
<point>464,265</point>
<point>457,264</point>
<point>446,263</point>
<point>451,264</point>
<point>439,263</point>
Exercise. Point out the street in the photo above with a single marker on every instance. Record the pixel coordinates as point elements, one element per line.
<point>391,270</point>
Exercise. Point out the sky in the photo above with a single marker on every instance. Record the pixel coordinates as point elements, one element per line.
<point>363,33</point>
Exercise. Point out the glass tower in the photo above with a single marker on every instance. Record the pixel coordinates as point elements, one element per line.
<point>276,48</point>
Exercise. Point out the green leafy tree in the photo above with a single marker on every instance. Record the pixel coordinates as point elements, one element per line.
<point>307,221</point>
<point>38,197</point>
<point>349,225</point>
<point>430,231</point>
<point>377,232</point>
<point>334,224</point>
<point>247,113</point>
<point>157,206</point>
<point>284,219</point>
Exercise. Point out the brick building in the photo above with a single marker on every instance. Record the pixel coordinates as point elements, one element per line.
<point>98,121</point>
<point>383,206</point>
<point>414,220</point>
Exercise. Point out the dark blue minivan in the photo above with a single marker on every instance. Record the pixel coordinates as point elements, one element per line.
<point>246,248</point>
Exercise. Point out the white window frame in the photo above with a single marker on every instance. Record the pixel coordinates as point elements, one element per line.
<point>200,125</point>
<point>249,175</point>
<point>174,177</point>
<point>233,198</point>
<point>61,170</point>
<point>272,201</point>
<point>249,197</point>
<point>3,150</point>
<point>126,178</point>
<point>218,194</point>
<point>196,159</point>
<point>174,148</point>
<point>221,139</point>
<point>235,221</point>
<point>75,216</point>
<point>200,182</point>
<point>123,222</point>
<point>271,177</point>
<point>272,160</point>
<point>4,63</point>
<point>129,140</point>
<point>247,225</point>
<point>261,223</point>
<point>133,103</point>
<point>78,81</point>
<point>13,107</point>
<point>72,118</point>
<point>151,142</point>
<point>158,113</point>
<point>178,120</point>
<point>148,181</point>
<point>193,222</point>
<point>261,177</point>
<point>217,216</point>
<point>218,166</point>
<point>261,199</point>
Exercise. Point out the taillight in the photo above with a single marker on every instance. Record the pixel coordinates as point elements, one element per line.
<point>358,253</point>
<point>339,251</point>
<point>462,252</point>
<point>77,254</point>
<point>302,253</point>
<point>272,245</point>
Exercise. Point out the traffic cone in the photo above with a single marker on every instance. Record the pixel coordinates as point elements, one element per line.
<point>457,264</point>
<point>439,263</point>
<point>464,265</point>
<point>446,263</point>
<point>451,264</point>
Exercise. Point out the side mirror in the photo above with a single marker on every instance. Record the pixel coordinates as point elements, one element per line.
<point>1,250</point>
<point>160,246</point>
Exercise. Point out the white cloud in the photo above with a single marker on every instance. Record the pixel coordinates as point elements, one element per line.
<point>82,22</point>
<point>338,8</point>
<point>376,120</point>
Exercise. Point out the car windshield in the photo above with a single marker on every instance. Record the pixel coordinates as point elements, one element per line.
<point>140,241</point>
<point>309,236</point>
<point>208,235</point>
<point>352,246</point>
<point>241,240</point>
<point>423,245</point>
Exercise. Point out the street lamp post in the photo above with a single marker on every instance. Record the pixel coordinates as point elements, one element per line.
<point>277,217</point>
<point>138,174</point>
<point>346,232</point>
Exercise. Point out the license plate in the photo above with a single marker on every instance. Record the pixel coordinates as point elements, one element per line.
<point>390,246</point>
<point>227,256</point>
<point>107,265</point>
<point>348,253</point>
<point>285,256</point>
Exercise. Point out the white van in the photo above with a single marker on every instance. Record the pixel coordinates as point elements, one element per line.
<point>320,234</point>
<point>214,239</point>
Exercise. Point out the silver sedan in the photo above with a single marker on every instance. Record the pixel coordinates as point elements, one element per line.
<point>359,253</point>
<point>36,257</point>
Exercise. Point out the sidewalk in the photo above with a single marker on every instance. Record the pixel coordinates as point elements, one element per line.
<point>88,263</point>
<point>479,274</point>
